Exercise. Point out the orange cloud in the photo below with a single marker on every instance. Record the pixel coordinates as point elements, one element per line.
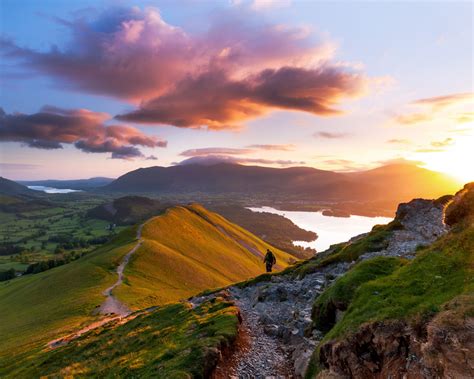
<point>432,107</point>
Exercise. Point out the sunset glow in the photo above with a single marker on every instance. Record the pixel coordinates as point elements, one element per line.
<point>90,89</point>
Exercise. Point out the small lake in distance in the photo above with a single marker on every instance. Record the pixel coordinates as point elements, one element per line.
<point>330,229</point>
<point>52,190</point>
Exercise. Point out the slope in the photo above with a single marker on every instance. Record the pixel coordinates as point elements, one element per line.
<point>36,308</point>
<point>188,250</point>
<point>9,187</point>
<point>175,341</point>
<point>418,316</point>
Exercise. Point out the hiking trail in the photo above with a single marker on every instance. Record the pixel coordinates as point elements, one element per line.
<point>113,308</point>
<point>112,305</point>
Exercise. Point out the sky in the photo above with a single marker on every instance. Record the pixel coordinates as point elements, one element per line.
<point>100,88</point>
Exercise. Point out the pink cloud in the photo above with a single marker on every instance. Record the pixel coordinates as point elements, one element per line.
<point>240,68</point>
<point>281,147</point>
<point>52,127</point>
<point>215,159</point>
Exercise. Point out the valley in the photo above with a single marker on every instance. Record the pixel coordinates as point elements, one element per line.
<point>155,255</point>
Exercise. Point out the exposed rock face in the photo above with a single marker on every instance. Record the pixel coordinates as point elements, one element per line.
<point>437,349</point>
<point>422,223</point>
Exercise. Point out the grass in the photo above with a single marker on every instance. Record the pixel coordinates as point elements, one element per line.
<point>188,250</point>
<point>375,240</point>
<point>437,285</point>
<point>440,278</point>
<point>339,295</point>
<point>174,341</point>
<point>38,308</point>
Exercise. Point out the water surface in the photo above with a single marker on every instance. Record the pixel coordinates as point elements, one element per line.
<point>330,230</point>
<point>52,189</point>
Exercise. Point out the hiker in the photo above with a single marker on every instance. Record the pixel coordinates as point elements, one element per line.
<point>269,260</point>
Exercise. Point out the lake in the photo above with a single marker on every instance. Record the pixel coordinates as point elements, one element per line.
<point>330,230</point>
<point>52,189</point>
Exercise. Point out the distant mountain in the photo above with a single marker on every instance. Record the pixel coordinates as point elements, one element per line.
<point>127,210</point>
<point>394,183</point>
<point>77,184</point>
<point>11,188</point>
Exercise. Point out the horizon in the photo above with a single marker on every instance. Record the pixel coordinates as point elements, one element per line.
<point>406,164</point>
<point>100,89</point>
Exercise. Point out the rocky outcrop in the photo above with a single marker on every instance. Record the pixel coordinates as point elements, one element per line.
<point>421,223</point>
<point>277,323</point>
<point>440,348</point>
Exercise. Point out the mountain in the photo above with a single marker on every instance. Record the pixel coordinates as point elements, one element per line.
<point>127,210</point>
<point>182,252</point>
<point>220,178</point>
<point>77,184</point>
<point>11,188</point>
<point>390,183</point>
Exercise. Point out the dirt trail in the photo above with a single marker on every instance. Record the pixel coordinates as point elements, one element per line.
<point>115,310</point>
<point>112,305</point>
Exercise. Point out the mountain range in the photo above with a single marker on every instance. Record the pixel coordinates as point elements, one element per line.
<point>395,182</point>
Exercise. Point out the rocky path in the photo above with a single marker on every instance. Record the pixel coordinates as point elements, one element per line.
<point>274,336</point>
<point>256,354</point>
<point>112,305</point>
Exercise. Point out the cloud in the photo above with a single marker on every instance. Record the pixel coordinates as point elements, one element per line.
<point>444,143</point>
<point>441,102</point>
<point>283,147</point>
<point>437,146</point>
<point>214,159</point>
<point>52,127</point>
<point>432,107</point>
<point>413,118</point>
<point>465,117</point>
<point>239,68</point>
<point>329,135</point>
<point>400,161</point>
<point>429,150</point>
<point>214,151</point>
<point>214,100</point>
<point>399,141</point>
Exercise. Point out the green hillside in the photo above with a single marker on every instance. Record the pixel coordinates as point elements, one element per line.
<point>184,251</point>
<point>175,341</point>
<point>190,249</point>
<point>37,308</point>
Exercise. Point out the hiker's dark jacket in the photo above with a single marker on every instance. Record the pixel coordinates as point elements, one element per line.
<point>269,258</point>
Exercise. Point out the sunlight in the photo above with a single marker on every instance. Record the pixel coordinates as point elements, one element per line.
<point>456,161</point>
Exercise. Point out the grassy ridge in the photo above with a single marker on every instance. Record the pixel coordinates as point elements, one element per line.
<point>37,308</point>
<point>188,250</point>
<point>172,342</point>
<point>437,275</point>
<point>342,292</point>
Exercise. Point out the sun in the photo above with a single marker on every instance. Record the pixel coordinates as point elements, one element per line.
<point>457,161</point>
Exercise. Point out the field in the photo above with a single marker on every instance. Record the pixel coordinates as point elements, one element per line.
<point>41,229</point>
